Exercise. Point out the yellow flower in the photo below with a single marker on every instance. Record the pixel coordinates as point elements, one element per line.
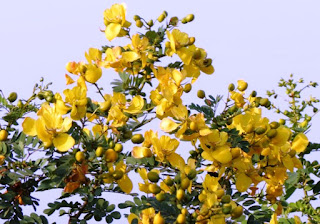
<point>165,149</point>
<point>118,175</point>
<point>199,62</point>
<point>238,98</point>
<point>178,44</point>
<point>144,187</point>
<point>50,128</point>
<point>243,182</point>
<point>77,98</point>
<point>115,19</point>
<point>94,55</point>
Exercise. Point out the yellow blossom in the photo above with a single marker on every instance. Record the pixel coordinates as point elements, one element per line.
<point>50,128</point>
<point>124,182</point>
<point>115,19</point>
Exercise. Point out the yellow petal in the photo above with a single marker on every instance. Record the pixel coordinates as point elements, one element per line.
<point>131,217</point>
<point>130,56</point>
<point>29,126</point>
<point>168,125</point>
<point>61,107</point>
<point>288,163</point>
<point>112,30</point>
<point>297,220</point>
<point>81,82</point>
<point>63,142</point>
<point>243,182</point>
<point>205,132</point>
<point>222,154</point>
<point>121,166</point>
<point>208,70</point>
<point>139,151</point>
<point>300,142</point>
<point>42,131</point>
<point>274,219</point>
<point>176,160</point>
<point>136,105</point>
<point>177,76</point>
<point>143,173</point>
<point>93,73</point>
<point>69,80</point>
<point>125,184</point>
<point>66,125</point>
<point>185,55</point>
<point>283,135</point>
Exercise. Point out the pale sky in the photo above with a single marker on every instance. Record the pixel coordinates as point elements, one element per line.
<point>258,41</point>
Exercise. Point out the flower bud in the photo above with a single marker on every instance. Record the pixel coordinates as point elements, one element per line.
<point>139,23</point>
<point>201,94</point>
<point>161,18</point>
<point>190,18</point>
<point>191,40</point>
<point>174,21</point>
<point>136,17</point>
<point>150,23</point>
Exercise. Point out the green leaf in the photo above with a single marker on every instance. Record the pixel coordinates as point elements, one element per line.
<point>289,192</point>
<point>249,202</point>
<point>293,179</point>
<point>137,201</point>
<point>316,188</point>
<point>111,207</point>
<point>255,207</point>
<point>109,219</point>
<point>116,215</point>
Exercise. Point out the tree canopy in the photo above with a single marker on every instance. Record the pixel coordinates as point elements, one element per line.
<point>242,167</point>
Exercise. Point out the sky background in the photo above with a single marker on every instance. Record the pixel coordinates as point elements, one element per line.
<point>258,41</point>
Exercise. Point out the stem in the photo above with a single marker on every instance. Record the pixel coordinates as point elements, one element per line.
<point>76,216</point>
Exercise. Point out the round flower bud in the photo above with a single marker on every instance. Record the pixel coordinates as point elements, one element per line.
<point>12,97</point>
<point>231,87</point>
<point>242,85</point>
<point>190,18</point>
<point>187,88</point>
<point>201,94</point>
<point>139,23</point>
<point>3,135</point>
<point>137,138</point>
